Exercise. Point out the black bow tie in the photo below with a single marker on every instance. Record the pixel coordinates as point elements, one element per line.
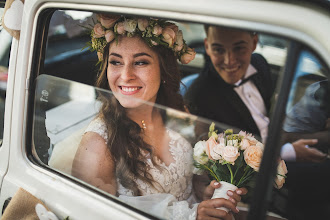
<point>244,81</point>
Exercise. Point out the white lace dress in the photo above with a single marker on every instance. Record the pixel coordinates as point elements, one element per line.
<point>173,198</point>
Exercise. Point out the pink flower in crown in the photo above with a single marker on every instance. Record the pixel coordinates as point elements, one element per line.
<point>174,27</point>
<point>98,30</point>
<point>109,35</point>
<point>169,36</point>
<point>188,56</point>
<point>157,30</point>
<point>143,24</point>
<point>120,28</point>
<point>107,21</point>
<point>179,41</point>
<point>210,144</point>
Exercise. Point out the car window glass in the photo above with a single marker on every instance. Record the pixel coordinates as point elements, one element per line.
<point>306,126</point>
<point>66,101</point>
<point>5,40</point>
<point>59,127</point>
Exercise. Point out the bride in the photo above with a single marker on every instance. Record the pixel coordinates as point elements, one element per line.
<point>127,150</point>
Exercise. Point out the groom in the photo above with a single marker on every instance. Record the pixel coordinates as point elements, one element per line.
<point>231,76</point>
<point>236,88</point>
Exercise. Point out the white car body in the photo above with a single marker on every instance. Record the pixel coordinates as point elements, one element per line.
<point>67,198</point>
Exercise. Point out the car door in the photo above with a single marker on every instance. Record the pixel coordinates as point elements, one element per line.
<point>4,64</point>
<point>53,98</point>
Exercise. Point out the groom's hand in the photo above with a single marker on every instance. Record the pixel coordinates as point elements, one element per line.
<point>305,153</point>
<point>234,196</point>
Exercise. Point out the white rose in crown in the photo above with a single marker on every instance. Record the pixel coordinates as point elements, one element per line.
<point>130,25</point>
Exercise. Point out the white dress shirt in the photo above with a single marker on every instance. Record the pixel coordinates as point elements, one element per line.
<point>252,98</point>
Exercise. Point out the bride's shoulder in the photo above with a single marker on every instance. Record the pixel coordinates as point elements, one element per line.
<point>98,126</point>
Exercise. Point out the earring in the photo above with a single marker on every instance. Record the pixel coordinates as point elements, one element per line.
<point>164,82</point>
<point>144,127</point>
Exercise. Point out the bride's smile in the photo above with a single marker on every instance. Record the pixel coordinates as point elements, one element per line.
<point>129,90</point>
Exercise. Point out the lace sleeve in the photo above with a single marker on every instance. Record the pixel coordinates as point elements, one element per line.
<point>98,126</point>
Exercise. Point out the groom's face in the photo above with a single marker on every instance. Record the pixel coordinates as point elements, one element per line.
<point>230,51</point>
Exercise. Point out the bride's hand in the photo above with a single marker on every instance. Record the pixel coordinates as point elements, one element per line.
<point>234,196</point>
<point>208,209</point>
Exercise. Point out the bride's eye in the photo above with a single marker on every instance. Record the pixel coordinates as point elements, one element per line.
<point>114,62</point>
<point>141,63</point>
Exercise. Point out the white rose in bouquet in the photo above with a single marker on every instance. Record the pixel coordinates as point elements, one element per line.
<point>200,152</point>
<point>230,154</point>
<point>217,151</point>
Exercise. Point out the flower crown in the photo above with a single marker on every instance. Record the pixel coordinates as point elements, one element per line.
<point>153,31</point>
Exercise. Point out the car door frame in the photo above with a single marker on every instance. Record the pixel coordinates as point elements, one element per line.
<point>22,165</point>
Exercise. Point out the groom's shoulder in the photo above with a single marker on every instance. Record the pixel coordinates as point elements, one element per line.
<point>260,63</point>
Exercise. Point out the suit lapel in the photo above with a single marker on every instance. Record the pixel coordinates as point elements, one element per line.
<point>259,82</point>
<point>234,101</point>
<point>243,112</point>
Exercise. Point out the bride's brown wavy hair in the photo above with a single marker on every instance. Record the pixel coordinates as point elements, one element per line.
<point>125,142</point>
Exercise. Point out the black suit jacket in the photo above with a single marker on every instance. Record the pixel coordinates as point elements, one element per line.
<point>211,97</point>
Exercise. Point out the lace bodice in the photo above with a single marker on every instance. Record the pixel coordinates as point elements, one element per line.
<point>175,179</point>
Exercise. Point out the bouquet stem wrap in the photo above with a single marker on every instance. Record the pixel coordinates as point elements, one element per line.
<point>222,192</point>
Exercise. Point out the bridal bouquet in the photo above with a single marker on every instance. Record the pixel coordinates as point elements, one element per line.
<point>232,159</point>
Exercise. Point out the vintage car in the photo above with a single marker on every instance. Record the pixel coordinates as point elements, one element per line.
<point>48,98</point>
